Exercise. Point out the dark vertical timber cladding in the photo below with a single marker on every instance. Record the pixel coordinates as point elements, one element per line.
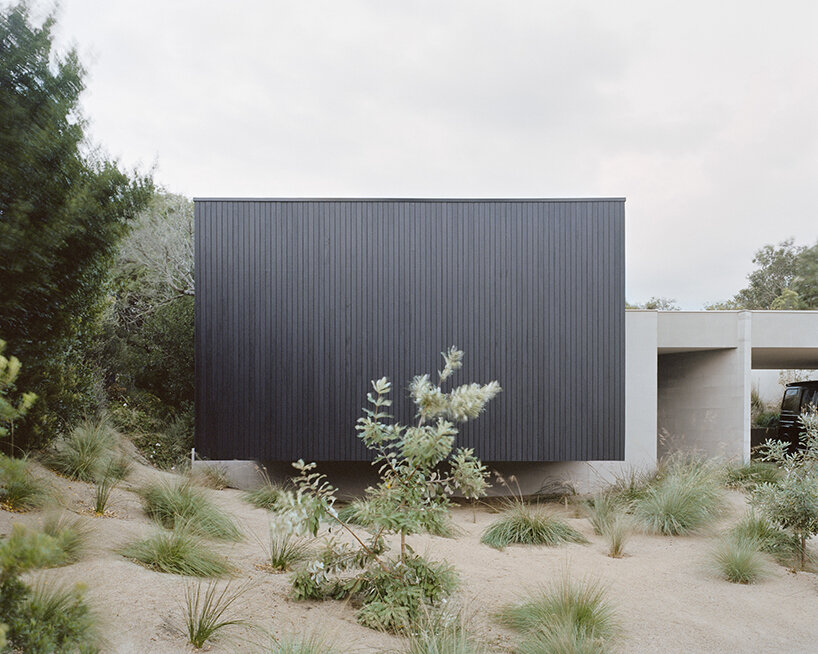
<point>300,303</point>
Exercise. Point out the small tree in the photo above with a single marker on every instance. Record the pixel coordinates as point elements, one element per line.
<point>419,471</point>
<point>792,502</point>
<point>11,410</point>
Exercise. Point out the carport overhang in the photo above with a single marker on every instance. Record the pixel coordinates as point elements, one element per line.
<point>703,373</point>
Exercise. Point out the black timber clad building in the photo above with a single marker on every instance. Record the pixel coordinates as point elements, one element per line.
<point>301,302</point>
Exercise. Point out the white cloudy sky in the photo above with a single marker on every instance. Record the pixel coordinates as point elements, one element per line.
<point>702,114</point>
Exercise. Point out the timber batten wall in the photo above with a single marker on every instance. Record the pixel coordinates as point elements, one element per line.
<point>299,303</point>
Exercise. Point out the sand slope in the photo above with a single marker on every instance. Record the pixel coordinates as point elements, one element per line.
<point>667,598</point>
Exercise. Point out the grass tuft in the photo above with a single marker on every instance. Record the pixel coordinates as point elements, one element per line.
<point>71,533</point>
<point>266,496</point>
<point>179,552</point>
<point>207,610</point>
<point>310,643</point>
<point>737,560</point>
<point>747,476</point>
<point>442,632</point>
<point>528,525</point>
<point>784,547</point>
<point>684,498</point>
<point>172,503</point>
<point>210,476</point>
<point>565,617</point>
<point>284,550</point>
<point>617,531</point>
<point>82,453</point>
<point>19,489</point>
<point>601,508</point>
<point>113,472</point>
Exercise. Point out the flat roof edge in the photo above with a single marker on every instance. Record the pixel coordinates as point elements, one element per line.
<point>353,199</point>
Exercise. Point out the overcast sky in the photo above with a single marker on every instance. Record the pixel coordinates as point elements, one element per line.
<point>702,114</point>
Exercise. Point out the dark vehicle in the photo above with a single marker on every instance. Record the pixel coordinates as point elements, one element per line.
<point>798,398</point>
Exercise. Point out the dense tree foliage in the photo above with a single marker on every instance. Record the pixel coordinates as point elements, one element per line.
<point>148,330</point>
<point>786,277</point>
<point>62,213</point>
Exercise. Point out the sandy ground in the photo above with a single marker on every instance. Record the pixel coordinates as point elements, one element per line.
<point>666,597</point>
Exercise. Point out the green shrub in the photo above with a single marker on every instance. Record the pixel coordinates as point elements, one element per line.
<point>435,520</point>
<point>19,489</point>
<point>83,453</point>
<point>180,552</point>
<point>568,616</point>
<point>11,408</point>
<point>393,599</point>
<point>747,476</point>
<point>738,560</point>
<point>207,610</point>
<point>48,618</point>
<point>791,502</point>
<point>685,497</point>
<point>61,541</point>
<point>171,503</point>
<point>529,525</point>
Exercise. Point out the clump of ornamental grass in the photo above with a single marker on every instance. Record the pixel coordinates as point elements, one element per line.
<point>173,502</point>
<point>769,538</point>
<point>20,490</point>
<point>525,524</point>
<point>746,476</point>
<point>443,632</point>
<point>601,508</point>
<point>737,560</point>
<point>284,549</point>
<point>420,470</point>
<point>114,471</point>
<point>83,452</point>
<point>210,476</point>
<point>267,496</point>
<point>303,643</point>
<point>48,617</point>
<point>685,497</point>
<point>632,485</point>
<point>791,502</point>
<point>617,531</point>
<point>209,610</point>
<point>568,616</point>
<point>179,551</point>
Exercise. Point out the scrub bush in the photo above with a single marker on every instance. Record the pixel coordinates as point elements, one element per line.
<point>769,538</point>
<point>419,471</point>
<point>791,502</point>
<point>747,476</point>
<point>266,496</point>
